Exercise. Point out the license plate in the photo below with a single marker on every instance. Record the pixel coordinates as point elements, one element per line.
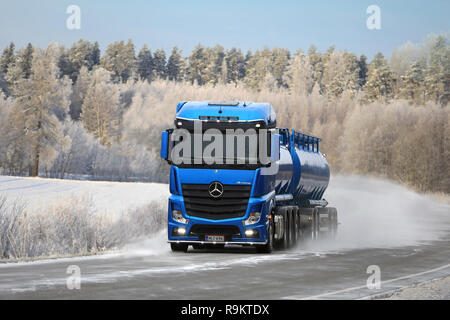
<point>215,238</point>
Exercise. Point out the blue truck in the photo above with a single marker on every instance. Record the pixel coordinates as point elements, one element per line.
<point>264,204</point>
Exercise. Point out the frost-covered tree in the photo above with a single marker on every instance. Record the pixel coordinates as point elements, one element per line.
<point>403,57</point>
<point>79,92</point>
<point>40,101</point>
<point>145,63</point>
<point>280,62</point>
<point>333,77</point>
<point>21,68</point>
<point>363,69</point>
<point>101,111</point>
<point>76,152</point>
<point>216,58</point>
<point>316,61</point>
<point>258,66</point>
<point>412,86</point>
<point>299,75</point>
<point>8,58</point>
<point>175,65</point>
<point>82,54</point>
<point>159,64</point>
<point>380,80</point>
<point>234,61</point>
<point>197,65</point>
<point>119,58</point>
<point>437,80</point>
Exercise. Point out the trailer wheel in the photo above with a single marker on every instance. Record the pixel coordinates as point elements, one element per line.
<point>286,236</point>
<point>268,247</point>
<point>306,223</point>
<point>298,229</point>
<point>332,222</point>
<point>179,247</point>
<point>294,238</point>
<point>316,223</point>
<point>291,227</point>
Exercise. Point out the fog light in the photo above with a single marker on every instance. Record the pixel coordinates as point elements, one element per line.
<point>253,218</point>
<point>178,217</point>
<point>250,233</point>
<point>180,231</point>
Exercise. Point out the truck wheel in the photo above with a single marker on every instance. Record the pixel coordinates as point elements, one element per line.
<point>290,228</point>
<point>179,247</point>
<point>332,222</point>
<point>281,242</point>
<point>293,228</point>
<point>306,223</point>
<point>298,230</point>
<point>268,247</point>
<point>316,223</point>
<point>286,237</point>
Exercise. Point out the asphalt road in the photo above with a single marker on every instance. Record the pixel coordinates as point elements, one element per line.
<point>408,240</point>
<point>229,274</point>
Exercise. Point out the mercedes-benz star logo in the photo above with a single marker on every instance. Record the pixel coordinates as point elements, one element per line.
<point>215,189</point>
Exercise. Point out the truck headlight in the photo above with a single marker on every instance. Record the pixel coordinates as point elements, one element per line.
<point>252,218</point>
<point>179,231</point>
<point>178,217</point>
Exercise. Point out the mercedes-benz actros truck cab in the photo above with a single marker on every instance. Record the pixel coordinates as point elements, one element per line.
<point>237,179</point>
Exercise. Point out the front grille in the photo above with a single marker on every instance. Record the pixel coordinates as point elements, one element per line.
<point>232,204</point>
<point>201,230</point>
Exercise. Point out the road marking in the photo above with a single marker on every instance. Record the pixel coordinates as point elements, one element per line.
<point>365,286</point>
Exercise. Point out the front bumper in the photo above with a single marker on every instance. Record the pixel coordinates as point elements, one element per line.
<point>218,242</point>
<point>261,227</point>
<point>240,238</point>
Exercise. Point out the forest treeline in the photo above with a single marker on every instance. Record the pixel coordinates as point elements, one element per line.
<point>75,112</point>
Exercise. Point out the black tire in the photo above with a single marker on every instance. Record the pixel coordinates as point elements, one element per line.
<point>307,227</point>
<point>298,229</point>
<point>293,228</point>
<point>279,244</point>
<point>332,222</point>
<point>289,228</point>
<point>179,247</point>
<point>285,240</point>
<point>316,223</point>
<point>268,247</point>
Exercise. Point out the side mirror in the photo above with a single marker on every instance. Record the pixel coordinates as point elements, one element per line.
<point>165,144</point>
<point>275,147</point>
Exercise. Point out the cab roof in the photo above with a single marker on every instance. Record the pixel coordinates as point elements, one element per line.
<point>239,111</point>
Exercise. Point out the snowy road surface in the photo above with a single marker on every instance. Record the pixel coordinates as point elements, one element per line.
<point>405,234</point>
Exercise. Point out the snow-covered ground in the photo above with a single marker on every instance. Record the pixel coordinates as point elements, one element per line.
<point>110,197</point>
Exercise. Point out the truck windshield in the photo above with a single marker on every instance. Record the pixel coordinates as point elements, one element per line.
<point>247,149</point>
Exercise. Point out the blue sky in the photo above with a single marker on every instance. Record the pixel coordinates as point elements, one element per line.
<point>247,24</point>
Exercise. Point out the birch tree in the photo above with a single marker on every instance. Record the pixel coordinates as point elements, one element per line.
<point>39,100</point>
<point>100,111</point>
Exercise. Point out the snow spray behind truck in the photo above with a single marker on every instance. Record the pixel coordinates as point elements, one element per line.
<point>236,178</point>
